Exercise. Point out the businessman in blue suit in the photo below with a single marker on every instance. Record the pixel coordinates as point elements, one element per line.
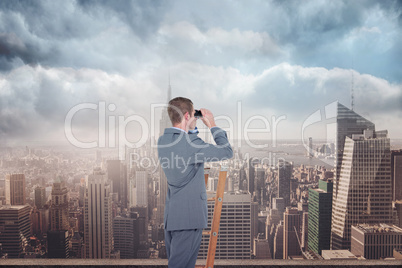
<point>182,155</point>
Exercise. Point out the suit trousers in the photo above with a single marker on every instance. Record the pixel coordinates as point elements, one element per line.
<point>182,247</point>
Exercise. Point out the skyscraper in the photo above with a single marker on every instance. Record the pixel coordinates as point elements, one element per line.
<point>310,152</point>
<point>285,170</point>
<point>161,196</point>
<point>347,123</point>
<point>98,217</point>
<point>59,206</point>
<point>364,188</point>
<point>35,221</point>
<point>57,237</point>
<point>278,242</point>
<point>252,162</point>
<point>123,185</point>
<point>304,229</point>
<point>243,179</point>
<point>126,235</point>
<point>44,219</point>
<point>15,189</point>
<point>291,233</point>
<point>142,221</point>
<point>132,192</point>
<point>319,216</point>
<point>81,192</point>
<point>141,182</point>
<point>234,240</point>
<point>40,197</point>
<point>15,229</point>
<point>117,174</point>
<point>279,204</point>
<point>259,181</point>
<point>396,174</point>
<point>375,241</point>
<point>113,174</point>
<point>58,244</point>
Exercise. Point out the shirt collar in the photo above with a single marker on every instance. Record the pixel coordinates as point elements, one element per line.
<point>190,131</point>
<point>179,129</point>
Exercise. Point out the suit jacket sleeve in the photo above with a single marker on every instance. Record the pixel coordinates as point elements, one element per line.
<point>205,152</point>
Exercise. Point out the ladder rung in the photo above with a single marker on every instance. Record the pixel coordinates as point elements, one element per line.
<point>206,232</point>
<point>211,199</point>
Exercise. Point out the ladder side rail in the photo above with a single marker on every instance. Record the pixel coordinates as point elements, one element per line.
<point>216,218</point>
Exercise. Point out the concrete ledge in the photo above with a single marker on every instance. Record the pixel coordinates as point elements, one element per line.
<point>158,263</point>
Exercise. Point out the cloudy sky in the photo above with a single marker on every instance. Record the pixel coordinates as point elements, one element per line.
<point>256,59</point>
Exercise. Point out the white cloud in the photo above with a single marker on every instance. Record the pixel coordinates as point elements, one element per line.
<point>220,39</point>
<point>291,90</point>
<point>35,100</point>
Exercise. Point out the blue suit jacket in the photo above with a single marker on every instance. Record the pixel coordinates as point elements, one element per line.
<point>182,156</point>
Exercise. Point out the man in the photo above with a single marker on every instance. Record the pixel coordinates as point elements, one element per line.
<point>182,155</point>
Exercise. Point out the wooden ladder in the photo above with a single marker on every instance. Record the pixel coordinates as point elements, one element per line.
<point>213,234</point>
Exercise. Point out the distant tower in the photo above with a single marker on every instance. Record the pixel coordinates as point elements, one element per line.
<point>352,97</point>
<point>59,207</point>
<point>259,180</point>
<point>310,152</point>
<point>141,182</point>
<point>57,237</point>
<point>117,174</point>
<point>15,189</point>
<point>161,199</point>
<point>285,170</point>
<point>252,162</point>
<point>98,217</point>
<point>40,197</point>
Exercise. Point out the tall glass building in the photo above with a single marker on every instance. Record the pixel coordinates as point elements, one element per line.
<point>364,190</point>
<point>347,123</point>
<point>163,186</point>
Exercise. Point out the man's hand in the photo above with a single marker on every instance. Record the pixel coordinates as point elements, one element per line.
<point>208,118</point>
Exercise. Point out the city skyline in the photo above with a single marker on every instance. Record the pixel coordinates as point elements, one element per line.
<point>267,211</point>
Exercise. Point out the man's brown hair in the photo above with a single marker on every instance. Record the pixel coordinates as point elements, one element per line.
<point>178,107</point>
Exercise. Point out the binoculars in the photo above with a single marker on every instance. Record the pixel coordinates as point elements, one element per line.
<point>198,114</point>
